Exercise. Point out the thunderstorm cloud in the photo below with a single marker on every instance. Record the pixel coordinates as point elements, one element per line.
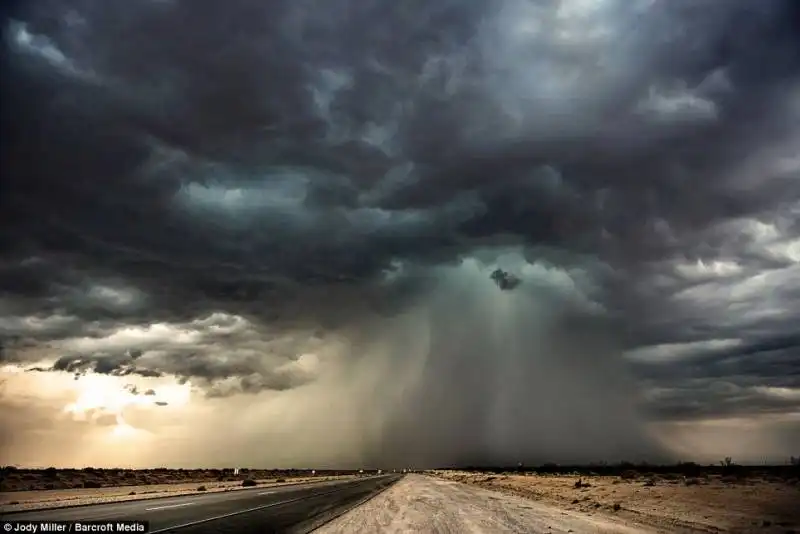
<point>376,232</point>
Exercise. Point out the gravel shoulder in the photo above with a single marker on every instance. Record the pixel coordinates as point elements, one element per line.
<point>427,504</point>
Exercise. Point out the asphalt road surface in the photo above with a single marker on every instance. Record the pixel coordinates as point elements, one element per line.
<point>293,509</point>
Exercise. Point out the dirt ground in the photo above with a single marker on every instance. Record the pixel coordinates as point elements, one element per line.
<point>429,505</point>
<point>671,503</point>
<point>37,489</point>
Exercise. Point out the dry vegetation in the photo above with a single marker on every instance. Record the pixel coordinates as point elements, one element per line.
<point>27,489</point>
<point>686,497</point>
<point>14,479</point>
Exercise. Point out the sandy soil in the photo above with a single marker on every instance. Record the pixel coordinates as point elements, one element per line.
<point>424,504</point>
<point>706,504</point>
<point>11,501</point>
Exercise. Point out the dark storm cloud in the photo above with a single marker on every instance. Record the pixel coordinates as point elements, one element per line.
<point>505,281</point>
<point>258,126</point>
<point>120,364</point>
<point>169,160</point>
<point>206,351</point>
<point>750,378</point>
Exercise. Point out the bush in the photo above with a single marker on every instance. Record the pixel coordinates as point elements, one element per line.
<point>201,488</point>
<point>249,483</point>
<point>92,484</point>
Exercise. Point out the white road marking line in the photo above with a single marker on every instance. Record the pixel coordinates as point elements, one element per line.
<point>170,506</point>
<point>223,516</point>
<point>266,493</point>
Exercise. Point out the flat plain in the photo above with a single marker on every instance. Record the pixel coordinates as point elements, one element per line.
<point>32,489</point>
<point>687,497</point>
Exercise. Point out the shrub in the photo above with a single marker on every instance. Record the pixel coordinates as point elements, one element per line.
<point>201,488</point>
<point>93,484</point>
<point>248,483</point>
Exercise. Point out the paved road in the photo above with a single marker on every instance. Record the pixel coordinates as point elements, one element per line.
<point>265,510</point>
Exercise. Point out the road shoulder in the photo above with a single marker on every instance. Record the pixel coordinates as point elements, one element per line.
<point>421,503</point>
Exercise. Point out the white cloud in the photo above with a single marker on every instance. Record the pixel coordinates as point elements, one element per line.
<point>701,269</point>
<point>16,325</point>
<point>271,194</point>
<point>222,323</point>
<point>114,297</point>
<point>679,104</point>
<point>792,394</point>
<point>788,250</point>
<point>38,45</point>
<point>671,352</point>
<point>141,337</point>
<point>44,48</point>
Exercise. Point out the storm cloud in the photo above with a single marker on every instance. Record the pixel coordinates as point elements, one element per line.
<point>302,204</point>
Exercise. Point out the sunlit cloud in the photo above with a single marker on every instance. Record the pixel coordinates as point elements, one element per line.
<point>535,217</point>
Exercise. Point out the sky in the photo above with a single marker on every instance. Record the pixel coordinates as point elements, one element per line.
<point>264,233</point>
